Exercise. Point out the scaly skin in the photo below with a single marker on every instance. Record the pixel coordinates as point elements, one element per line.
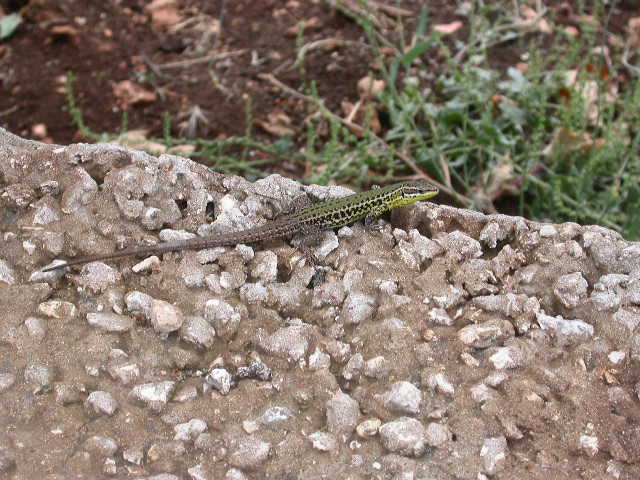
<point>313,219</point>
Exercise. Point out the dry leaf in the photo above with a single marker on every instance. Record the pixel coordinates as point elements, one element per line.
<point>358,114</point>
<point>368,87</point>
<point>164,13</point>
<point>566,140</point>
<point>278,123</point>
<point>530,15</point>
<point>633,27</point>
<point>448,28</point>
<point>137,140</point>
<point>130,93</point>
<point>571,31</point>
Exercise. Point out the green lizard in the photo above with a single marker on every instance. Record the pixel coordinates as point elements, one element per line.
<point>310,220</point>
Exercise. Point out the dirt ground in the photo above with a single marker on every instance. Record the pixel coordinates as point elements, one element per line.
<point>106,43</point>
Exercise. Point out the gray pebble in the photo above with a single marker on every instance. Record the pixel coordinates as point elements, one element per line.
<point>265,267</point>
<point>357,308</point>
<point>275,416</point>
<point>368,428</point>
<point>440,384</point>
<point>220,379</point>
<point>353,367</point>
<point>287,342</point>
<point>189,431</point>
<point>57,309</point>
<point>328,294</point>
<point>7,460</point>
<point>573,331</point>
<point>323,441</point>
<point>319,360</point>
<point>6,381</point>
<point>224,318</point>
<point>36,327</point>
<point>571,289</point>
<point>40,375</point>
<point>403,397</point>
<point>343,413</point>
<point>126,373</point>
<point>102,446</point>
<point>235,474</point>
<point>198,472</point>
<point>437,435</point>
<point>198,331</point>
<point>67,393</point>
<point>133,455</point>
<point>459,246</point>
<point>185,394</point>
<point>165,317</point>
<point>249,453</point>
<point>148,393</point>
<point>7,274</point>
<point>439,316</point>
<point>110,322</point>
<point>494,454</point>
<point>406,436</point>
<point>102,402</point>
<point>377,367</point>
<point>253,293</point>
<point>96,277</point>
<point>486,334</point>
<point>139,303</point>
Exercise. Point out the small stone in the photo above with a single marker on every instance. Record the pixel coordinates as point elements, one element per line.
<point>198,472</point>
<point>165,318</point>
<point>36,327</point>
<point>368,428</point>
<point>328,294</point>
<point>353,367</point>
<point>220,379</point>
<point>494,454</point>
<point>40,375</point>
<point>102,446</point>
<point>323,441</point>
<point>573,331</point>
<point>139,303</point>
<point>101,402</point>
<point>198,331</point>
<point>440,383</point>
<point>459,246</point>
<point>266,267</point>
<point>67,394</point>
<point>224,318</point>
<point>486,334</point>
<point>342,414</point>
<point>287,342</point>
<point>133,455</point>
<point>377,367</point>
<point>235,474</point>
<point>125,373</point>
<point>188,432</point>
<point>547,231</point>
<point>6,381</point>
<point>96,277</point>
<point>186,394</point>
<point>249,453</point>
<point>357,308</point>
<point>57,309</point>
<point>403,397</point>
<point>150,393</point>
<point>571,289</point>
<point>508,357</point>
<point>589,445</point>
<point>439,316</point>
<point>109,466</point>
<point>437,435</point>
<point>275,416</point>
<point>253,293</point>
<point>7,274</point>
<point>319,360</point>
<point>110,322</point>
<point>405,436</point>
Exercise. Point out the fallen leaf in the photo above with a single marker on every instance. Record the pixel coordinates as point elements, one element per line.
<point>571,31</point>
<point>369,87</point>
<point>137,140</point>
<point>278,123</point>
<point>633,28</point>
<point>448,28</point>
<point>530,15</point>
<point>164,13</point>
<point>565,140</point>
<point>9,24</point>
<point>131,93</point>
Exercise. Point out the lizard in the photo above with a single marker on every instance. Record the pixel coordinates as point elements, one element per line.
<point>311,220</point>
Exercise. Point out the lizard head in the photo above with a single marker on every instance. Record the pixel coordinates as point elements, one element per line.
<point>415,191</point>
